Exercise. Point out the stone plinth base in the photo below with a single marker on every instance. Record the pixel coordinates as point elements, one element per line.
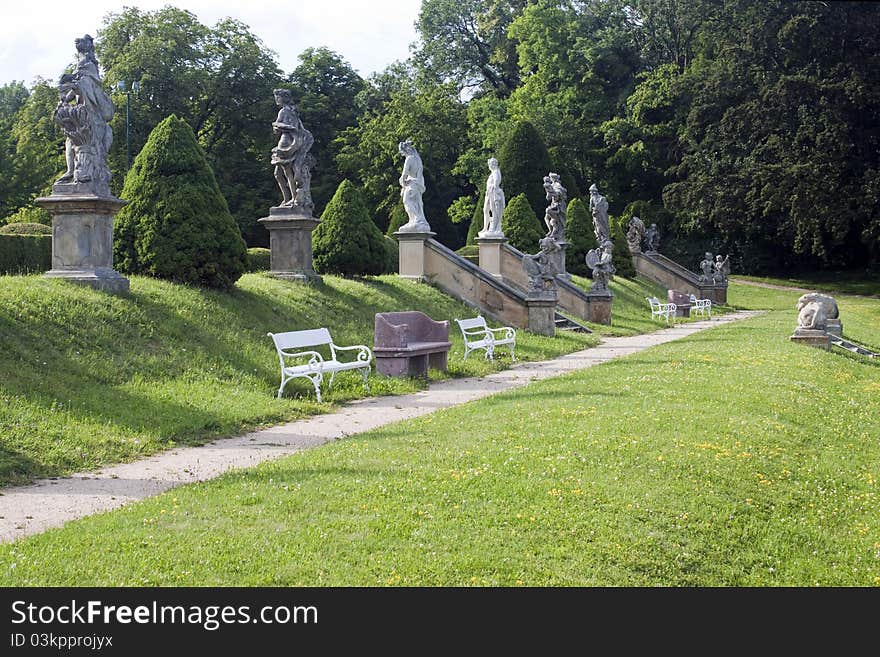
<point>558,260</point>
<point>490,254</point>
<point>834,327</point>
<point>290,244</point>
<point>82,240</point>
<point>812,338</point>
<point>542,314</point>
<point>682,302</point>
<point>411,248</point>
<point>410,364</point>
<point>600,308</point>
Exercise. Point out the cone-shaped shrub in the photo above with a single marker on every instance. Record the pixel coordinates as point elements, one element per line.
<point>524,162</point>
<point>347,242</point>
<point>520,225</point>
<point>398,219</point>
<point>580,236</point>
<point>622,258</point>
<point>177,225</point>
<point>477,222</point>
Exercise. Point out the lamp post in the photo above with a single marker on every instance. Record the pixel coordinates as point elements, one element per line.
<point>123,86</point>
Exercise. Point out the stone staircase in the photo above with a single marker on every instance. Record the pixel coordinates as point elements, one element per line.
<point>567,324</point>
<point>851,346</point>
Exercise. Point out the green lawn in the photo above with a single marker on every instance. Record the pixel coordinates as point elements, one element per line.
<point>731,458</point>
<point>90,379</point>
<point>865,283</point>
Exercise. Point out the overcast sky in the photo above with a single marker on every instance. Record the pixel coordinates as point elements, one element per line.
<point>38,35</point>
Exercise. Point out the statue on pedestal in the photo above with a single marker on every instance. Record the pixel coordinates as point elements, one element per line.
<point>555,214</point>
<point>291,157</point>
<point>540,268</point>
<point>707,269</point>
<point>84,112</point>
<point>599,209</point>
<point>652,239</point>
<point>722,269</point>
<point>493,202</point>
<point>412,186</point>
<point>601,262</point>
<point>634,234</point>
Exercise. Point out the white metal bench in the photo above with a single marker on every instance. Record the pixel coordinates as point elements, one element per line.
<point>665,310</point>
<point>311,364</point>
<point>477,335</point>
<point>701,306</point>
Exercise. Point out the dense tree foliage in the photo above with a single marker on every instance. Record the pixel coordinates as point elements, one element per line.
<point>177,225</point>
<point>743,126</point>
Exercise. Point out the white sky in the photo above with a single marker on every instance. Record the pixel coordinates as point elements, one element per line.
<point>37,36</point>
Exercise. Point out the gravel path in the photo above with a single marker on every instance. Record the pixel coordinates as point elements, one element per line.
<point>47,503</point>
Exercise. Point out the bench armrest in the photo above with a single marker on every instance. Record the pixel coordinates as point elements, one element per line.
<point>315,358</point>
<point>508,331</point>
<point>364,353</point>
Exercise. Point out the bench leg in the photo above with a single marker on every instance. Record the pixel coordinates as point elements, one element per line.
<point>366,372</point>
<point>438,361</point>
<point>512,357</point>
<point>490,352</point>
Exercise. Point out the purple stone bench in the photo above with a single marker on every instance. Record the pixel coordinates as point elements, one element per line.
<point>407,343</point>
<point>682,302</point>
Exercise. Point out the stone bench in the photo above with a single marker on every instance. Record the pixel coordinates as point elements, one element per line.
<point>682,302</point>
<point>407,343</point>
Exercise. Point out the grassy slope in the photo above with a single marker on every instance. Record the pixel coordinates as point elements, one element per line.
<point>90,379</point>
<point>863,283</point>
<point>731,458</point>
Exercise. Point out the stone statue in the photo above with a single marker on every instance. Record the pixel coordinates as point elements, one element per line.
<point>707,267</point>
<point>555,214</point>
<point>722,269</point>
<point>412,186</point>
<point>599,209</point>
<point>291,157</point>
<point>652,239</point>
<point>634,234</point>
<point>602,264</point>
<point>814,310</point>
<point>83,112</point>
<point>540,268</point>
<point>493,203</point>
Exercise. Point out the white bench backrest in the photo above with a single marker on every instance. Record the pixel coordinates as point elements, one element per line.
<point>299,339</point>
<point>476,322</point>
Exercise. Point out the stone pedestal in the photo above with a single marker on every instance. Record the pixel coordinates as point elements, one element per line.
<point>542,313</point>
<point>82,238</point>
<point>412,254</point>
<point>558,259</point>
<point>834,327</point>
<point>490,254</point>
<point>812,337</point>
<point>600,308</point>
<point>290,244</point>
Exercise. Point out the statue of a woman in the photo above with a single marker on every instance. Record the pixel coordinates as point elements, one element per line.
<point>83,112</point>
<point>493,203</point>
<point>291,156</point>
<point>412,186</point>
<point>599,210</point>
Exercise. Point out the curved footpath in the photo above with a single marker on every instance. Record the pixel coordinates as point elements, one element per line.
<point>47,503</point>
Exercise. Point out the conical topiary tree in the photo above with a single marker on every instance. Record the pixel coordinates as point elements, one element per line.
<point>524,162</point>
<point>623,264</point>
<point>476,221</point>
<point>580,236</point>
<point>177,225</point>
<point>347,241</point>
<point>520,225</point>
<point>398,219</point>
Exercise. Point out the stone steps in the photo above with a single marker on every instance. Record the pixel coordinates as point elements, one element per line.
<point>567,324</point>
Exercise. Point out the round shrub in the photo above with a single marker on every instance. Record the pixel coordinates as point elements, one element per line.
<point>30,214</point>
<point>347,241</point>
<point>520,225</point>
<point>25,228</point>
<point>177,225</point>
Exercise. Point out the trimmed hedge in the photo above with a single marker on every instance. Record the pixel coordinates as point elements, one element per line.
<point>25,228</point>
<point>258,259</point>
<point>25,254</point>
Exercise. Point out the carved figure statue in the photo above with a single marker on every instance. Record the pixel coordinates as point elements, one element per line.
<point>634,233</point>
<point>291,157</point>
<point>707,267</point>
<point>652,239</point>
<point>555,214</point>
<point>601,261</point>
<point>599,210</point>
<point>540,269</point>
<point>722,269</point>
<point>83,112</point>
<point>412,186</point>
<point>814,310</point>
<point>493,203</point>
